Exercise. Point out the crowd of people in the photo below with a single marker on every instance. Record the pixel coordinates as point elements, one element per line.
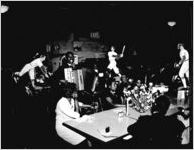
<point>116,89</point>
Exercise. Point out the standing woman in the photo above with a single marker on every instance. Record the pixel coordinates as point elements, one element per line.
<point>112,56</point>
<point>66,109</point>
<point>184,64</point>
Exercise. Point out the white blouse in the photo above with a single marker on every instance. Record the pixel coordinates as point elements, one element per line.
<point>36,63</point>
<point>65,110</point>
<point>185,53</point>
<point>112,55</point>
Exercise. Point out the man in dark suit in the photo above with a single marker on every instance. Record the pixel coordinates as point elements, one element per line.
<point>157,130</point>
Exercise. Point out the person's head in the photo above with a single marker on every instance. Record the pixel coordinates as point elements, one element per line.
<point>161,105</point>
<point>112,48</point>
<point>68,90</point>
<point>138,83</point>
<point>180,46</point>
<point>124,78</point>
<point>136,88</point>
<point>112,84</point>
<point>70,57</point>
<point>130,81</point>
<point>150,84</point>
<point>185,113</point>
<point>42,57</point>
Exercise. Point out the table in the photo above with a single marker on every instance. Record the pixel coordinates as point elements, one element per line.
<point>118,125</point>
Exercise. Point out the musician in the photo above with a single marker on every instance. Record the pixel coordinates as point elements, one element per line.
<point>183,64</point>
<point>112,56</point>
<point>67,62</point>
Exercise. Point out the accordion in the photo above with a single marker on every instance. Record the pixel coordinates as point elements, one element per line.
<point>74,76</point>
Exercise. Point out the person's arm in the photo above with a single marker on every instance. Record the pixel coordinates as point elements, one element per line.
<point>111,54</point>
<point>35,86</point>
<point>118,56</point>
<point>132,128</point>
<point>84,105</point>
<point>65,108</point>
<point>121,55</point>
<point>182,60</point>
<point>115,55</point>
<point>137,126</point>
<point>109,101</point>
<point>43,69</point>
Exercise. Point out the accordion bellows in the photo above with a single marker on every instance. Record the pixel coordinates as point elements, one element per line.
<point>74,76</point>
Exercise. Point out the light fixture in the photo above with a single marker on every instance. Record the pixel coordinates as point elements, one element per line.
<point>171,23</point>
<point>4,9</point>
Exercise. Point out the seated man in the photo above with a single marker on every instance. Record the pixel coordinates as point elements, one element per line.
<point>110,97</point>
<point>157,130</point>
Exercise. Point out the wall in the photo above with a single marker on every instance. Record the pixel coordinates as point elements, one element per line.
<point>89,50</point>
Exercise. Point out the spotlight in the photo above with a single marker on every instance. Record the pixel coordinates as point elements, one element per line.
<point>171,23</point>
<point>4,9</point>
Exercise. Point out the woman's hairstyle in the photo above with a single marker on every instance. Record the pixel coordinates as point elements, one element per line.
<point>67,89</point>
<point>179,45</point>
<point>112,47</point>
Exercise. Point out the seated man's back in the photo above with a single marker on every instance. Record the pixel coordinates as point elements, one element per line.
<point>156,132</point>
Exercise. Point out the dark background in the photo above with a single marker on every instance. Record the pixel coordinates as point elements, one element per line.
<point>142,26</point>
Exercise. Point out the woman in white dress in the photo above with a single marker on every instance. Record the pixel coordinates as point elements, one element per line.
<point>66,109</point>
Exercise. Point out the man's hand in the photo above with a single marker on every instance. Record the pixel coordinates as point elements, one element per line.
<point>177,65</point>
<point>46,75</point>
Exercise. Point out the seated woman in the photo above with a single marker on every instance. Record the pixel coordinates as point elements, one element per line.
<point>67,109</point>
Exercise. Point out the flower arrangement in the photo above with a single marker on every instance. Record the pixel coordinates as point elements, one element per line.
<point>141,96</point>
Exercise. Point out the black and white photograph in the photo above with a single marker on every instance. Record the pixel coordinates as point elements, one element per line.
<point>96,74</point>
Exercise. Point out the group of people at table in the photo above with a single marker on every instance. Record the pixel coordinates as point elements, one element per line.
<point>155,130</point>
